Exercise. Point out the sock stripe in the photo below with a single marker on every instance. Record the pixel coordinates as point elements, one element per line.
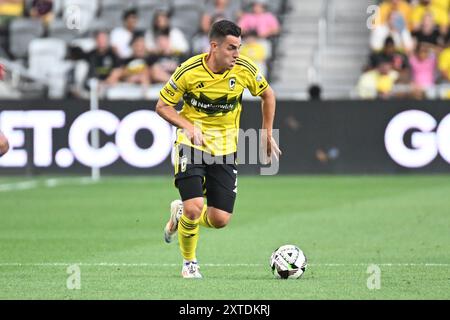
<point>187,225</point>
<point>207,221</point>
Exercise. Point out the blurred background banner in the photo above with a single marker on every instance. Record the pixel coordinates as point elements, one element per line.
<point>54,137</point>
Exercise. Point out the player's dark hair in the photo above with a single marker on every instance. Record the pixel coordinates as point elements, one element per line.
<point>223,28</point>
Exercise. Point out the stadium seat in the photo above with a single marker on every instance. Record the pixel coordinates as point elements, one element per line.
<point>188,3</point>
<point>187,19</point>
<point>44,53</point>
<point>111,11</point>
<point>146,11</point>
<point>88,5</point>
<point>101,24</point>
<point>274,6</point>
<point>46,61</point>
<point>58,29</point>
<point>22,31</point>
<point>87,13</point>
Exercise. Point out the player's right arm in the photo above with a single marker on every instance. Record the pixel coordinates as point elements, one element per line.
<point>169,96</point>
<point>168,113</point>
<point>4,145</point>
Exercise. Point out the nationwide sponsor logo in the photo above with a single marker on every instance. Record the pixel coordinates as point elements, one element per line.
<point>211,106</point>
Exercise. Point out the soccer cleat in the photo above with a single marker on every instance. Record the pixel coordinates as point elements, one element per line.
<point>191,270</point>
<point>176,210</point>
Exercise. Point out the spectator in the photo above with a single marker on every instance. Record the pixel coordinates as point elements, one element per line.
<point>161,24</point>
<point>135,68</point>
<point>394,28</point>
<point>265,23</point>
<point>444,63</point>
<point>10,9</point>
<point>315,92</point>
<point>103,62</point>
<point>164,60</point>
<point>378,83</point>
<point>443,5</point>
<point>42,9</point>
<point>429,32</point>
<point>200,41</point>
<point>121,36</point>
<point>400,6</point>
<point>440,16</point>
<point>398,60</point>
<point>255,50</point>
<point>230,10</point>
<point>423,65</point>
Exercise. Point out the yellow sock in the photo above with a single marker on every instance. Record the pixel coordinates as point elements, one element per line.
<point>188,237</point>
<point>204,222</point>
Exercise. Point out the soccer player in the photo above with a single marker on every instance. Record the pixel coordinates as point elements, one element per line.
<point>211,85</point>
<point>4,146</point>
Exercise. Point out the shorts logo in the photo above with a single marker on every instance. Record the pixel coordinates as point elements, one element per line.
<point>173,85</point>
<point>183,163</point>
<point>232,83</point>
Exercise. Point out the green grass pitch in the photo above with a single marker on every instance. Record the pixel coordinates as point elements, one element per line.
<point>113,231</point>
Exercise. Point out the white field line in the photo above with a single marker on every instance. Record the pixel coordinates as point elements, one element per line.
<point>24,185</point>
<point>49,183</point>
<point>118,264</point>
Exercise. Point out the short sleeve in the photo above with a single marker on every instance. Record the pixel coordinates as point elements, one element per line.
<point>256,82</point>
<point>174,89</point>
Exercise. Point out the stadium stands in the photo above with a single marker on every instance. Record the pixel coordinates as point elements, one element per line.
<point>324,44</point>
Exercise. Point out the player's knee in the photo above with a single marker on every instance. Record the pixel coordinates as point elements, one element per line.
<point>221,220</point>
<point>193,208</point>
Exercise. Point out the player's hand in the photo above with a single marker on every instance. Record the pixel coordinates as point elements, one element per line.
<point>194,134</point>
<point>270,147</point>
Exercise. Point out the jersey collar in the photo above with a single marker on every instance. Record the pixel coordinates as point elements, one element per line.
<point>212,74</point>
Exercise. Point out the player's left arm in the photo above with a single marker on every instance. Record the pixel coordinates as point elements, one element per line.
<point>268,105</point>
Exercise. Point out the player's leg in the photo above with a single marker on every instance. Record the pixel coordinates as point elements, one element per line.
<point>221,189</point>
<point>216,218</point>
<point>184,168</point>
<point>189,177</point>
<point>188,227</point>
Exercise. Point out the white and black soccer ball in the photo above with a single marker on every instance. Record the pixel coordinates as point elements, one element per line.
<point>288,262</point>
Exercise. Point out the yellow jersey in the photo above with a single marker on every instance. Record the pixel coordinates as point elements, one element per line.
<point>440,16</point>
<point>444,61</point>
<point>213,101</point>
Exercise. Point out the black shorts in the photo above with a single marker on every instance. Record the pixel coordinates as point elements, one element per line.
<point>199,174</point>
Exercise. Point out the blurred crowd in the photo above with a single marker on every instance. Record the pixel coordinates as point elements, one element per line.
<point>410,51</point>
<point>144,52</point>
